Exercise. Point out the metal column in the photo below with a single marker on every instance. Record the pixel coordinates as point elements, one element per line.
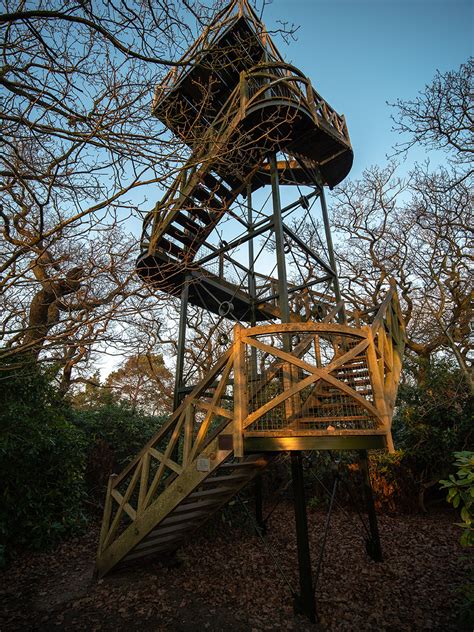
<point>178,382</point>
<point>332,259</point>
<point>305,601</point>
<point>258,486</point>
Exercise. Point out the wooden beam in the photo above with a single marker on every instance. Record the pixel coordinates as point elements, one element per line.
<point>126,506</point>
<point>240,392</point>
<point>310,368</point>
<point>169,462</point>
<point>107,512</point>
<point>161,468</point>
<point>125,499</point>
<point>217,410</point>
<point>308,327</point>
<point>143,480</point>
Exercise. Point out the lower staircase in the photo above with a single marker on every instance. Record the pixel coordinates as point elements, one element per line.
<point>183,514</point>
<point>181,477</point>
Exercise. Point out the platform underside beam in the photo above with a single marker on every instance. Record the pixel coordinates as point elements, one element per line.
<point>282,444</point>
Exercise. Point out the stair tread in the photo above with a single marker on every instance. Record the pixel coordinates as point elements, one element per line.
<point>186,507</point>
<point>187,222</point>
<point>226,478</point>
<point>135,554</point>
<point>199,193</point>
<point>165,530</point>
<point>203,215</point>
<point>170,248</point>
<point>236,464</point>
<point>218,491</point>
<point>186,239</point>
<point>216,186</point>
<point>185,517</point>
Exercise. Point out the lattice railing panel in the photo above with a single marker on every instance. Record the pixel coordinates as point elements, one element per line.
<point>308,377</point>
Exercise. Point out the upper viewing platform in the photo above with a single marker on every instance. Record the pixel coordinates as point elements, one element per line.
<point>234,89</point>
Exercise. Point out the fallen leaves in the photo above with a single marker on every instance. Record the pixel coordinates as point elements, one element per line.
<point>228,581</point>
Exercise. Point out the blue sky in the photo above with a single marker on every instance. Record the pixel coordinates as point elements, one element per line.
<point>359,54</point>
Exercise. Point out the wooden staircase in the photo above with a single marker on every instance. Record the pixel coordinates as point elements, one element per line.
<point>177,514</point>
<point>181,477</point>
<point>338,382</point>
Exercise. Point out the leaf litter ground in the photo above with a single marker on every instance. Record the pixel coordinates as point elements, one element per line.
<point>225,580</point>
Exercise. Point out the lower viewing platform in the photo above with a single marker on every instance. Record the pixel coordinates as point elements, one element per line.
<point>307,443</point>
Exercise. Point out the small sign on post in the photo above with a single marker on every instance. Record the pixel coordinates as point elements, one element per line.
<point>203,464</point>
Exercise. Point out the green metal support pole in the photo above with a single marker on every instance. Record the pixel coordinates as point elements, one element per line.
<point>258,486</point>
<point>305,601</point>
<point>178,382</point>
<point>373,545</point>
<point>258,491</point>
<point>252,284</point>
<point>283,301</point>
<point>332,259</point>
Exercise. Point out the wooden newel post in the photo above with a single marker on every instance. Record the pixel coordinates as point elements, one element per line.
<point>240,392</point>
<point>107,512</point>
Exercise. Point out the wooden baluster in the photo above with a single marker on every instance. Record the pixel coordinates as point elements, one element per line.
<point>240,392</point>
<point>188,433</point>
<point>107,512</point>
<point>317,351</point>
<point>143,481</point>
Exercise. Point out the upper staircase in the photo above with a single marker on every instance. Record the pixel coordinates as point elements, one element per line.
<point>265,106</point>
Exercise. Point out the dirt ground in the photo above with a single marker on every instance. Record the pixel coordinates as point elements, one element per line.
<point>226,579</point>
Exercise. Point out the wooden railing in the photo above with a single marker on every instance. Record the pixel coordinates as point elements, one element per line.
<point>277,80</point>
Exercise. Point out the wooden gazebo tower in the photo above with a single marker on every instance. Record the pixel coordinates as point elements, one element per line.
<point>301,373</point>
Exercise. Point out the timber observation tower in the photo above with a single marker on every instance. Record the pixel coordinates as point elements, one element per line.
<point>296,372</point>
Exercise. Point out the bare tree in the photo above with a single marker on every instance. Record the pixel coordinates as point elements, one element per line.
<point>416,231</point>
<point>442,118</point>
<point>81,156</point>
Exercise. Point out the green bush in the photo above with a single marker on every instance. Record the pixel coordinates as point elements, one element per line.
<point>461,493</point>
<point>433,419</point>
<point>42,458</point>
<point>124,430</point>
<point>393,482</point>
<point>460,488</point>
<point>114,435</point>
<point>55,460</point>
